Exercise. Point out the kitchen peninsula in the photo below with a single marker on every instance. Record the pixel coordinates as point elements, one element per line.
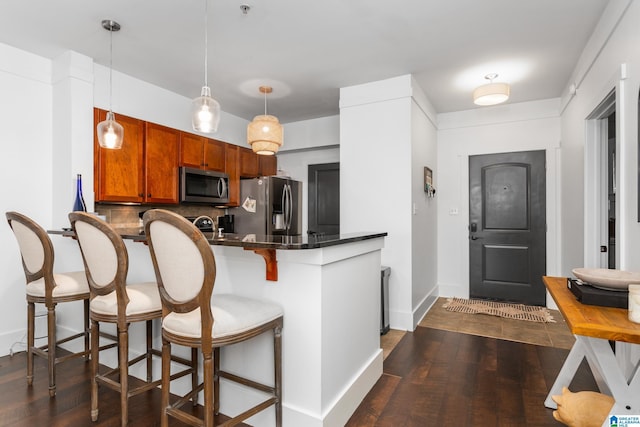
<point>329,287</point>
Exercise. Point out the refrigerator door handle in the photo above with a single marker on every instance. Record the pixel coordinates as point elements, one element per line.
<point>284,206</point>
<point>290,206</point>
<point>287,206</point>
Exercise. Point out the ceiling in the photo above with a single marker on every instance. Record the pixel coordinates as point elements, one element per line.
<point>307,50</point>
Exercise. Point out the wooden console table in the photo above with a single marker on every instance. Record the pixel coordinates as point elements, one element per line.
<point>616,372</point>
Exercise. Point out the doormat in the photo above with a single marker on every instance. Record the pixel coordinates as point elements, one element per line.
<point>530,313</point>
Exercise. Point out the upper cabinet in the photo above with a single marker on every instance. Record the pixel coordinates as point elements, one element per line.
<point>249,164</point>
<point>144,170</point>
<point>119,174</point>
<point>161,164</point>
<point>202,153</point>
<point>268,165</point>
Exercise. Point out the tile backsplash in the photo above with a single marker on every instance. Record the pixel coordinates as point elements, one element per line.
<point>127,216</point>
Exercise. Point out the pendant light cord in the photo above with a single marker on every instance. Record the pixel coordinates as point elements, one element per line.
<point>265,102</point>
<point>206,40</point>
<point>111,67</point>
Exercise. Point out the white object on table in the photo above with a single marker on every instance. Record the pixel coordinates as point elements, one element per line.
<point>634,303</point>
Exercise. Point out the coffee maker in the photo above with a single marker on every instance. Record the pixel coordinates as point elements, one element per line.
<point>226,223</point>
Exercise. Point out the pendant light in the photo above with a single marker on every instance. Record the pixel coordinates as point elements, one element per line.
<point>110,132</point>
<point>205,111</point>
<point>264,133</point>
<point>491,93</point>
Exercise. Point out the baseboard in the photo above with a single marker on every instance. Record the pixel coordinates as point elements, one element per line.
<point>235,398</point>
<point>424,306</point>
<point>344,407</point>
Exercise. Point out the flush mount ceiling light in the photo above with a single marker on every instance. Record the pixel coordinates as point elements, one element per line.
<point>205,111</point>
<point>264,133</point>
<point>491,93</point>
<point>110,132</point>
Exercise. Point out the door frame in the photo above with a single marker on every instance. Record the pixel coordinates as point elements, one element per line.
<point>595,181</point>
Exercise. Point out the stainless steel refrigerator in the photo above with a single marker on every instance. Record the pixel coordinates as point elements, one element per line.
<point>269,205</point>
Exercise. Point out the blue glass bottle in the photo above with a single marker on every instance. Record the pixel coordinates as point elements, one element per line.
<point>78,204</point>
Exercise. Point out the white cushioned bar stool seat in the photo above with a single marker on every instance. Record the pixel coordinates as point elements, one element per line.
<point>143,298</point>
<point>113,300</point>
<point>43,286</point>
<point>67,284</point>
<point>193,316</point>
<point>233,315</point>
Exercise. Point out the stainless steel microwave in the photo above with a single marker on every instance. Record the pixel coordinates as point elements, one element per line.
<point>201,186</point>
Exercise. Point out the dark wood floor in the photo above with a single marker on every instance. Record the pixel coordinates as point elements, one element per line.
<point>23,406</point>
<point>442,378</point>
<point>431,378</point>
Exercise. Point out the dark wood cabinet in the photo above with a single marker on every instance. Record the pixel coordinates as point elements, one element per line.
<point>144,170</point>
<point>233,170</point>
<point>119,174</point>
<point>249,163</point>
<point>268,165</point>
<point>200,152</point>
<point>161,164</point>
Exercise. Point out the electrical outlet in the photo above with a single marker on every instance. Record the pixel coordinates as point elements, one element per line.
<point>453,211</point>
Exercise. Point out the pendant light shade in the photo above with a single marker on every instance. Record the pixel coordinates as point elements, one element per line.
<point>265,132</point>
<point>491,93</point>
<point>110,132</point>
<point>205,111</point>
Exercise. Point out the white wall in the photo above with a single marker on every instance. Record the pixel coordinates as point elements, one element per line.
<point>611,60</point>
<point>378,138</point>
<point>424,220</point>
<point>25,172</point>
<point>505,128</point>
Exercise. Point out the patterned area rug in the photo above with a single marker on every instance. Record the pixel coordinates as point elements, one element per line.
<point>529,313</point>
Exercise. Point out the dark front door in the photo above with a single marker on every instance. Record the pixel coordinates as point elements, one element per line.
<point>507,227</point>
<point>324,199</point>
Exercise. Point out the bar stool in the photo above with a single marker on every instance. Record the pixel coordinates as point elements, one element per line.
<point>48,288</point>
<point>112,300</point>
<point>191,316</point>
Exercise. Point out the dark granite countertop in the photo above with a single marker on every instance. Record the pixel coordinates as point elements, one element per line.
<point>258,241</point>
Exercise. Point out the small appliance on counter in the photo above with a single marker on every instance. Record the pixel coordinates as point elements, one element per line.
<point>202,222</point>
<point>226,223</point>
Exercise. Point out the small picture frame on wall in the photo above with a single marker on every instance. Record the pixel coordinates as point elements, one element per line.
<point>428,182</point>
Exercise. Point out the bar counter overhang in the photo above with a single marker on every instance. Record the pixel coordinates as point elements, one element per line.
<point>329,287</point>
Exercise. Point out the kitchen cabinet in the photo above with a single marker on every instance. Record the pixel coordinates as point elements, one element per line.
<point>161,164</point>
<point>144,170</point>
<point>268,165</point>
<point>233,170</point>
<point>249,163</point>
<point>200,152</point>
<point>118,174</point>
